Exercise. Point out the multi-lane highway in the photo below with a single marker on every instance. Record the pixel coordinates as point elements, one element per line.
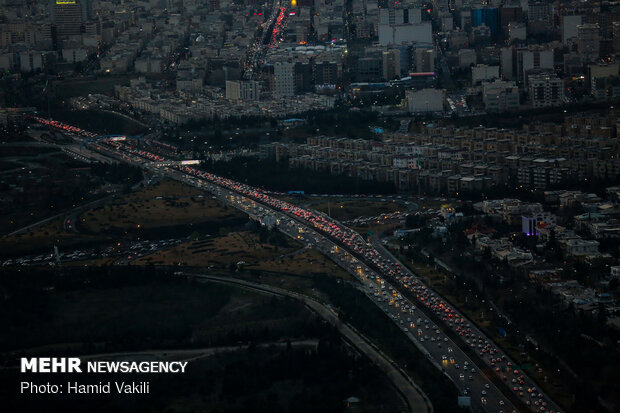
<point>478,368</point>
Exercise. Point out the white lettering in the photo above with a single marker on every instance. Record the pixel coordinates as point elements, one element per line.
<point>51,365</point>
<point>29,365</point>
<point>44,365</point>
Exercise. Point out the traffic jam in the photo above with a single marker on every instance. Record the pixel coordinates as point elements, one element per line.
<point>522,386</point>
<point>64,127</point>
<point>500,363</point>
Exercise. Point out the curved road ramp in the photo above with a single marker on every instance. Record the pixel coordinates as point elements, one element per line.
<point>416,400</point>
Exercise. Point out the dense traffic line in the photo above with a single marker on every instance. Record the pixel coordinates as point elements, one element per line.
<point>467,337</point>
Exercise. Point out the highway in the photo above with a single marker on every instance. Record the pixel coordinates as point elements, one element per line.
<point>477,366</point>
<point>489,402</point>
<point>412,394</point>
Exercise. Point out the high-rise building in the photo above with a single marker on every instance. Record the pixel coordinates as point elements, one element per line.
<point>87,9</point>
<point>588,41</point>
<point>481,73</point>
<point>405,57</point>
<point>326,73</point>
<point>539,17</point>
<point>424,60</point>
<point>500,96</point>
<point>545,90</point>
<point>517,31</point>
<point>506,63</point>
<point>284,79</point>
<point>601,71</point>
<point>532,59</point>
<point>465,21</point>
<point>67,16</point>
<point>447,21</point>
<point>391,64</point>
<point>606,88</point>
<point>510,14</point>
<point>569,27</point>
<point>399,16</point>
<point>539,11</point>
<point>303,77</point>
<point>410,33</point>
<point>488,16</point>
<point>609,14</point>
<point>616,36</point>
<point>233,90</point>
<point>248,90</point>
<point>368,69</point>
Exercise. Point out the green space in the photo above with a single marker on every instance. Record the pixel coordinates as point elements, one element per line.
<point>163,205</point>
<point>356,309</point>
<point>43,238</point>
<point>341,123</point>
<point>306,263</point>
<point>100,122</point>
<point>46,184</point>
<point>279,356</point>
<point>165,209</point>
<point>221,251</point>
<point>93,310</point>
<point>65,89</point>
<point>278,176</point>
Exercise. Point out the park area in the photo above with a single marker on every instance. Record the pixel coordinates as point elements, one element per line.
<point>167,203</point>
<point>42,238</point>
<point>219,251</point>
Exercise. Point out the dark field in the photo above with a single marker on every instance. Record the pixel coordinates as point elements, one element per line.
<point>246,351</point>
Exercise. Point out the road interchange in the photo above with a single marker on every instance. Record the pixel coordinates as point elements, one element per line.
<point>477,367</point>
